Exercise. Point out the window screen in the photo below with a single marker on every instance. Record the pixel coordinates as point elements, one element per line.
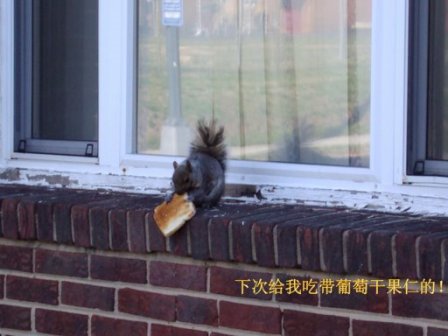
<point>428,95</point>
<point>57,76</point>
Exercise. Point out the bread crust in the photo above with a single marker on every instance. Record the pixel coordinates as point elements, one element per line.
<point>171,216</point>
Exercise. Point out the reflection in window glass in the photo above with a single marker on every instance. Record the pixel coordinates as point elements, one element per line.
<point>437,139</point>
<point>65,70</point>
<point>289,79</point>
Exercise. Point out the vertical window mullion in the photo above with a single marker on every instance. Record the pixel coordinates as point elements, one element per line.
<point>388,90</point>
<point>116,43</point>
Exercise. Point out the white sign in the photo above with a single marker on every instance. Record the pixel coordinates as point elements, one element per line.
<point>172,13</point>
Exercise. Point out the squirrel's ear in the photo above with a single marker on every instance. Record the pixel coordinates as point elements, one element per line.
<point>175,164</point>
<point>188,163</point>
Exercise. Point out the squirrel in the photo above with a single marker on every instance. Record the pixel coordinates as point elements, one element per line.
<point>202,174</point>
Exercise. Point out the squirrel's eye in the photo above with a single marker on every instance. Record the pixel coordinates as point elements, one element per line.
<point>186,180</point>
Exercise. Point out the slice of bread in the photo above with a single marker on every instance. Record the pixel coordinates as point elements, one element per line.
<point>171,216</point>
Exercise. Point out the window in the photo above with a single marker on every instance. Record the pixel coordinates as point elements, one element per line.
<point>313,94</point>
<point>56,77</point>
<point>289,79</point>
<point>428,145</point>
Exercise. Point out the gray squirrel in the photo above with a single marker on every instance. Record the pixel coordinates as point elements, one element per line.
<point>202,174</point>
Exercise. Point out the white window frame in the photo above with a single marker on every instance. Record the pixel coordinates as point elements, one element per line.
<point>117,167</point>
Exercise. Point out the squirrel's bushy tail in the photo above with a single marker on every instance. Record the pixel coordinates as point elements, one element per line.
<point>210,141</point>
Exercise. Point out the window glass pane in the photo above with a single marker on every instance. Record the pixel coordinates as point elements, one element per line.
<point>65,70</point>
<point>289,79</point>
<point>437,129</point>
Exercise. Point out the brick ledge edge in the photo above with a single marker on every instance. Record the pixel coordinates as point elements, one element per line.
<point>332,240</point>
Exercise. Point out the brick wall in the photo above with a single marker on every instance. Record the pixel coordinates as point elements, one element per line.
<point>83,263</point>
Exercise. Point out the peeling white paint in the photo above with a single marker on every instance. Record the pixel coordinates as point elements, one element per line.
<point>73,180</point>
<point>375,201</point>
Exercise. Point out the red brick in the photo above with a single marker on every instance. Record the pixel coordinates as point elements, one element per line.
<point>103,326</point>
<point>356,251</point>
<point>331,240</point>
<point>63,215</point>
<point>16,258</point>
<point>445,260</point>
<point>12,317</point>
<point>161,330</point>
<point>137,230</point>
<point>247,317</point>
<point>263,232</point>
<point>287,245</point>
<point>287,234</point>
<point>224,281</point>
<point>370,302</point>
<point>430,256</point>
<point>61,323</point>
<point>406,247</point>
<point>406,254</point>
<point>264,238</point>
<point>44,222</point>
<point>355,242</point>
<point>241,230</point>
<point>304,298</point>
<point>178,243</point>
<point>309,248</point>
<point>61,263</point>
<point>370,328</point>
<point>157,241</point>
<point>108,222</point>
<point>9,218</point>
<point>88,296</point>
<point>197,310</point>
<point>148,304</point>
<point>81,226</point>
<point>118,230</point>
<point>310,242</point>
<point>211,231</point>
<point>199,229</point>
<point>381,253</point>
<point>177,275</point>
<point>100,228</point>
<point>118,269</point>
<point>44,211</point>
<point>219,334</point>
<point>25,220</point>
<point>62,222</point>
<point>437,332</point>
<point>2,286</point>
<point>431,306</point>
<point>219,239</point>
<point>309,324</point>
<point>33,290</point>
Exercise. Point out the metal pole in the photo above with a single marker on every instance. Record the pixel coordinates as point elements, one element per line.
<point>174,85</point>
<point>343,29</point>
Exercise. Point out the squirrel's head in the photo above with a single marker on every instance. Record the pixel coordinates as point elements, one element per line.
<point>182,177</point>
